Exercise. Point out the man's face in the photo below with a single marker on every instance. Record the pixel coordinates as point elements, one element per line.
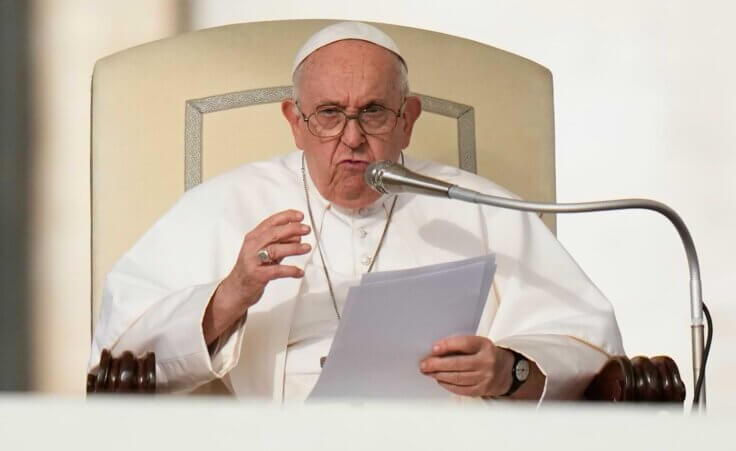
<point>350,75</point>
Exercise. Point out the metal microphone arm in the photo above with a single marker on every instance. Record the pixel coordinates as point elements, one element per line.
<point>696,296</point>
<point>390,178</point>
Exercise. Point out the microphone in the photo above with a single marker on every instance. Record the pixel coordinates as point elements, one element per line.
<point>388,177</point>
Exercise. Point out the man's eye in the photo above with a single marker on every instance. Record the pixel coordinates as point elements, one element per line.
<point>373,109</point>
<point>329,112</point>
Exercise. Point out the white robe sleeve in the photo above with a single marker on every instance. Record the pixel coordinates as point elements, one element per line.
<point>155,297</point>
<point>548,309</point>
<point>567,363</point>
<point>172,328</point>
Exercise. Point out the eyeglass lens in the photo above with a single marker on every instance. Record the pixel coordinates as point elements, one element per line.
<point>331,121</point>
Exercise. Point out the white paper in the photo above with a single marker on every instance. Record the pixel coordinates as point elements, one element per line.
<point>424,270</point>
<point>390,322</point>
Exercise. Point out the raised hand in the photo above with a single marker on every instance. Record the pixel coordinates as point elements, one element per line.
<point>259,262</point>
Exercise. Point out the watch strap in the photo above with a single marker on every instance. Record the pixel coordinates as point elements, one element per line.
<point>515,381</point>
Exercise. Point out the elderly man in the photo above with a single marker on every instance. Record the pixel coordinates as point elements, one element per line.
<point>245,278</point>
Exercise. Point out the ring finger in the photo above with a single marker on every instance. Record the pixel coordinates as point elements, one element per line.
<point>278,251</point>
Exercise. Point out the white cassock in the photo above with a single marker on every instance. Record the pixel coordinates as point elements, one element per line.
<point>541,303</point>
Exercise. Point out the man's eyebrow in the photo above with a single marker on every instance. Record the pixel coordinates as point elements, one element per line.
<point>330,103</point>
<point>379,102</point>
<point>322,101</point>
<point>374,101</point>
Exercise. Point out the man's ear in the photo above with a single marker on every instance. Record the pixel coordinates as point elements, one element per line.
<point>293,117</point>
<point>412,110</point>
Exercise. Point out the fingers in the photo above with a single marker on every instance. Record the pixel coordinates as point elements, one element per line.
<point>469,365</point>
<point>281,228</point>
<point>274,272</point>
<point>294,239</point>
<point>449,363</point>
<point>283,225</point>
<point>461,378</point>
<point>462,365</point>
<point>466,344</point>
<point>281,218</point>
<point>279,251</point>
<point>281,233</point>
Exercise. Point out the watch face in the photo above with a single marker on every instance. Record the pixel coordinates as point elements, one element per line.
<point>522,370</point>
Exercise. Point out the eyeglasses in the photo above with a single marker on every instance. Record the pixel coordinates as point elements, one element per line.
<point>329,121</point>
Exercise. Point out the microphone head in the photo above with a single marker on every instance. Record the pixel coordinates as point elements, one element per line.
<point>373,175</point>
<point>388,177</point>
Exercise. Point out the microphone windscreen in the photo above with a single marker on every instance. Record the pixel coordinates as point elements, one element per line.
<point>373,173</point>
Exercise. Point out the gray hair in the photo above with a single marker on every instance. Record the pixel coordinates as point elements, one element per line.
<point>402,74</point>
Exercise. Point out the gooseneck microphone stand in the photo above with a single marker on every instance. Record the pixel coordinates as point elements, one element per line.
<point>391,178</point>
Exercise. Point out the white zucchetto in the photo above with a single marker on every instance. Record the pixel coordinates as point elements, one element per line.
<point>341,31</point>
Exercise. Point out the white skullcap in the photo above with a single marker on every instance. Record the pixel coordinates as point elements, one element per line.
<point>341,31</point>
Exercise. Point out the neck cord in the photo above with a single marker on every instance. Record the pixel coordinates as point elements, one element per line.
<point>318,237</point>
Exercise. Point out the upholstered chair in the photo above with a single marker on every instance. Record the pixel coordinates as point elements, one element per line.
<point>170,114</point>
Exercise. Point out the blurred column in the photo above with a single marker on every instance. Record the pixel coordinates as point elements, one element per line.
<point>13,188</point>
<point>67,37</point>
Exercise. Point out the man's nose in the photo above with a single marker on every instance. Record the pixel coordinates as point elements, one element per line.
<point>353,135</point>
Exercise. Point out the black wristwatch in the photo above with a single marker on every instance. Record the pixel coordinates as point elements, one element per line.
<point>519,372</point>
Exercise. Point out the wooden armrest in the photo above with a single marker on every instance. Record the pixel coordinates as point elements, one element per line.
<point>125,374</point>
<point>640,379</point>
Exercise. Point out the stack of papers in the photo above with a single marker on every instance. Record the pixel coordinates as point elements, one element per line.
<point>390,322</point>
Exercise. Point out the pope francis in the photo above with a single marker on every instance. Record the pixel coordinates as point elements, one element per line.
<point>245,278</point>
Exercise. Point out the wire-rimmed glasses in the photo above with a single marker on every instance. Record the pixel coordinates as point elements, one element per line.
<point>328,121</point>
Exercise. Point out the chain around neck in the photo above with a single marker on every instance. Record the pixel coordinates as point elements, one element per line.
<point>318,237</point>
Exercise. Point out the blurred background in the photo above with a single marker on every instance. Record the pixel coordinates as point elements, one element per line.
<point>645,102</point>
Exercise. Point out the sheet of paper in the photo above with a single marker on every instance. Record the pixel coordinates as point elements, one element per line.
<point>389,324</point>
<point>423,270</point>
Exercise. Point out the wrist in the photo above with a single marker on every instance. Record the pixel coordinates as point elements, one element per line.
<point>228,299</point>
<point>222,311</point>
<point>518,374</point>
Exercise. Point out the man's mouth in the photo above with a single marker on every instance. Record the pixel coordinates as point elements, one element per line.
<point>354,164</point>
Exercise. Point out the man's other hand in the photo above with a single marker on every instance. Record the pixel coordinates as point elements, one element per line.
<point>470,365</point>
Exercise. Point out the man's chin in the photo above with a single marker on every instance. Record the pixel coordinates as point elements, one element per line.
<point>355,198</point>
